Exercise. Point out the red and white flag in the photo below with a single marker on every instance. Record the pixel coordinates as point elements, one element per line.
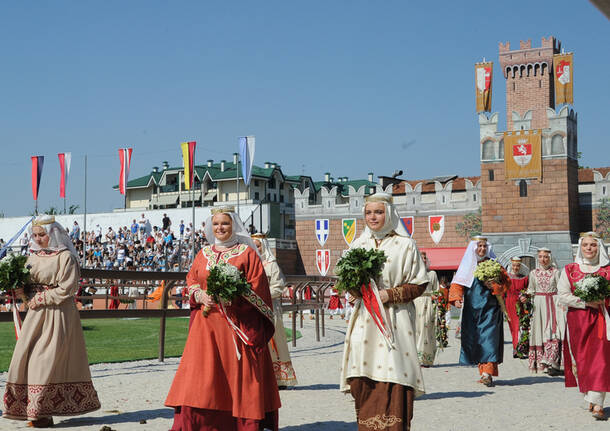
<point>37,164</point>
<point>125,159</point>
<point>64,171</point>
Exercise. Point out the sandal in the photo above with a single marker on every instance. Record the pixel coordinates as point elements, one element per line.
<point>487,381</point>
<point>41,423</point>
<point>599,414</point>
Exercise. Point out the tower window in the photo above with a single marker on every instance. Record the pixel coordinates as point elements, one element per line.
<point>522,189</point>
<point>490,172</point>
<point>513,85</point>
<point>539,83</point>
<point>604,190</point>
<point>474,197</point>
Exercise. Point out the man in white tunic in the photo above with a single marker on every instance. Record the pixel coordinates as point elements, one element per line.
<point>383,375</point>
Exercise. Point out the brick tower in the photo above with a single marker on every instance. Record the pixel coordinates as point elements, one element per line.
<point>529,80</point>
<point>520,215</point>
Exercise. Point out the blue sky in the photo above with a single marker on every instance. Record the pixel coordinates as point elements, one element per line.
<point>342,86</point>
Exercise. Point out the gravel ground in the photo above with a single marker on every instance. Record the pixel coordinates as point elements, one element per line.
<point>132,392</point>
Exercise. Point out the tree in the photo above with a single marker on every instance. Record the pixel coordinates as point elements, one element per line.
<point>72,209</point>
<point>472,225</point>
<point>52,211</point>
<point>602,225</point>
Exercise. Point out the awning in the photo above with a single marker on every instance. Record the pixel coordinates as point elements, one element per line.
<point>444,258</point>
<point>209,196</point>
<point>169,199</point>
<point>187,195</point>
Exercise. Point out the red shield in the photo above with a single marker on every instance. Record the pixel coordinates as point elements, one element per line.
<point>436,227</point>
<point>562,71</point>
<point>323,261</point>
<point>522,152</point>
<point>483,78</point>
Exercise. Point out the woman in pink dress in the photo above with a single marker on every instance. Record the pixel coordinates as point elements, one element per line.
<point>587,344</point>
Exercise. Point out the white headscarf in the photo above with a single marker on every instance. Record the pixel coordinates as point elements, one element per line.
<point>465,273</point>
<point>601,259</point>
<point>239,233</point>
<point>58,239</point>
<point>552,263</point>
<point>392,220</point>
<point>265,251</point>
<point>523,269</point>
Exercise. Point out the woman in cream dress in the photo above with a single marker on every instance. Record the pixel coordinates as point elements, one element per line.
<point>425,320</point>
<point>49,372</point>
<point>278,346</point>
<point>382,373</point>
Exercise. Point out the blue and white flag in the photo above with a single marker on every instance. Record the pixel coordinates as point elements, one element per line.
<point>10,242</point>
<point>246,152</point>
<point>322,230</point>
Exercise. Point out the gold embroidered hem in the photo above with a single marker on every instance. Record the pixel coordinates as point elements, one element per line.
<point>31,402</point>
<point>284,373</point>
<point>382,405</point>
<point>380,422</point>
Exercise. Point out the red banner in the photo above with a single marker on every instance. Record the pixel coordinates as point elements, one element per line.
<point>37,164</point>
<point>125,159</point>
<point>64,171</point>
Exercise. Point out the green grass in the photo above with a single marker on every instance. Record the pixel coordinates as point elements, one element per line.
<point>289,334</point>
<point>118,340</point>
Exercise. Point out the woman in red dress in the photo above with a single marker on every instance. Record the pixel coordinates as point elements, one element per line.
<point>223,382</point>
<point>587,345</point>
<point>518,284</point>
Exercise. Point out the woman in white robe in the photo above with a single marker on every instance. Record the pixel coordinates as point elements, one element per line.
<point>425,320</point>
<point>278,346</point>
<point>384,376</point>
<point>545,335</point>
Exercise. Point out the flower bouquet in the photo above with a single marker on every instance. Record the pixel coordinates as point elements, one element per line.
<point>592,288</point>
<point>441,323</point>
<point>488,270</point>
<point>14,274</point>
<point>357,272</point>
<point>357,268</point>
<point>225,283</point>
<point>524,307</point>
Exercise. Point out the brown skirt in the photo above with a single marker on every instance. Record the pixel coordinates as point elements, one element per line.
<point>382,405</point>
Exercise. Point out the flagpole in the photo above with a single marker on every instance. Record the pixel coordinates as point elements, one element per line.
<point>85,218</point>
<point>64,205</point>
<point>237,181</point>
<point>193,233</point>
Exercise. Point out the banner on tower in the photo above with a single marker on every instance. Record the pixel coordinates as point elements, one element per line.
<point>563,69</point>
<point>523,154</point>
<point>482,81</point>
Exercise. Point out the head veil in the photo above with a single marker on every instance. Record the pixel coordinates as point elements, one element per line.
<point>265,252</point>
<point>602,255</point>
<point>465,273</point>
<point>58,239</point>
<point>239,235</point>
<point>392,220</point>
<point>551,264</point>
<point>523,268</point>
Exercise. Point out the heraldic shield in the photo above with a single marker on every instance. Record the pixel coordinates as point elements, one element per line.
<point>322,230</point>
<point>349,230</point>
<point>436,227</point>
<point>522,152</point>
<point>407,222</point>
<point>323,261</point>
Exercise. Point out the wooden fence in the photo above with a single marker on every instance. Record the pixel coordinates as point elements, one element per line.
<point>299,285</point>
